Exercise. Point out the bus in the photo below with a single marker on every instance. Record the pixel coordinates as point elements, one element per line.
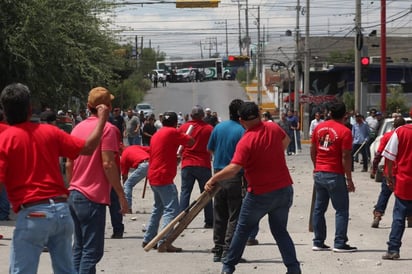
<point>211,68</point>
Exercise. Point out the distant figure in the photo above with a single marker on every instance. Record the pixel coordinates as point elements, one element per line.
<point>209,118</point>
<point>314,123</point>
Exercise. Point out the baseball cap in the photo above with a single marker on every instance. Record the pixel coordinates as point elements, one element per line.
<point>60,112</point>
<point>99,95</point>
<point>207,109</point>
<point>197,112</point>
<point>249,111</point>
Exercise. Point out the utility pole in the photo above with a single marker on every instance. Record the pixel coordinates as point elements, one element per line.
<point>358,48</point>
<point>306,84</point>
<point>227,47</point>
<point>201,50</point>
<point>247,41</point>
<point>383,56</point>
<point>259,62</point>
<point>297,59</point>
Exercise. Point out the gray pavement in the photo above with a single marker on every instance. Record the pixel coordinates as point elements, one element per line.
<point>127,256</point>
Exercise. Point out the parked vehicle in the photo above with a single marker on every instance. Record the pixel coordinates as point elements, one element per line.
<point>146,108</point>
<point>161,74</point>
<point>387,126</point>
<point>185,75</point>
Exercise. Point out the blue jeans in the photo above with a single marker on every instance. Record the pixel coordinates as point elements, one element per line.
<point>89,224</point>
<point>32,234</point>
<point>4,205</point>
<point>254,207</point>
<point>136,176</point>
<point>136,140</point>
<point>383,198</point>
<point>189,175</point>
<point>331,186</point>
<point>116,218</point>
<point>166,205</point>
<point>401,210</point>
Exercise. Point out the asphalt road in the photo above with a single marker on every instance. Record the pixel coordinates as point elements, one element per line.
<point>181,97</point>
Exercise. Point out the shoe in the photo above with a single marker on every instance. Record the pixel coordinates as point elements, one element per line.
<point>323,247</point>
<point>391,256</point>
<point>1,236</point>
<point>129,211</point>
<point>377,217</point>
<point>224,254</point>
<point>252,242</point>
<point>208,225</point>
<point>345,248</point>
<point>364,170</point>
<point>375,223</point>
<point>409,219</point>
<point>171,249</point>
<point>217,257</point>
<point>145,244</point>
<point>117,236</point>
<point>226,272</point>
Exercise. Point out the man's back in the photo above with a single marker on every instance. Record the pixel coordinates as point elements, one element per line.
<point>330,139</point>
<point>223,141</point>
<point>88,174</point>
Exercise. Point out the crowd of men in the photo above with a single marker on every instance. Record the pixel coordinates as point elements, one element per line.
<point>242,158</point>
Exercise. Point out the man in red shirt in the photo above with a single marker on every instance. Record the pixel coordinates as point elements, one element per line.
<point>162,171</point>
<point>269,191</point>
<point>330,152</point>
<point>386,192</point>
<point>196,162</point>
<point>399,151</point>
<point>133,157</point>
<point>30,170</point>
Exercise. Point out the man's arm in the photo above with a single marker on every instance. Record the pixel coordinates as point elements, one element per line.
<point>285,141</point>
<point>313,153</point>
<point>113,176</point>
<point>69,169</point>
<point>94,138</point>
<point>347,166</point>
<point>228,172</point>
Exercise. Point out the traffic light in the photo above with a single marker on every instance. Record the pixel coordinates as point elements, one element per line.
<point>365,61</point>
<point>232,58</point>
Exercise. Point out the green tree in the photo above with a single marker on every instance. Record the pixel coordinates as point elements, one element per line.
<point>396,100</point>
<point>59,48</point>
<point>341,57</point>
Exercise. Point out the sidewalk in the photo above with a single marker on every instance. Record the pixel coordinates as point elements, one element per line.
<point>126,256</point>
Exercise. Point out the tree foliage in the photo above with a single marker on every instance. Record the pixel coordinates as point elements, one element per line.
<point>396,100</point>
<point>341,57</point>
<point>59,48</point>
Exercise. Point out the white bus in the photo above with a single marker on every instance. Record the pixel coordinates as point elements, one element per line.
<point>211,68</point>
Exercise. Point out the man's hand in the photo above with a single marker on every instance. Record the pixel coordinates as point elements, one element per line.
<point>103,111</point>
<point>124,206</point>
<point>209,185</point>
<point>350,185</point>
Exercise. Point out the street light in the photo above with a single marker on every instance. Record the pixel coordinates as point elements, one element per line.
<point>278,65</point>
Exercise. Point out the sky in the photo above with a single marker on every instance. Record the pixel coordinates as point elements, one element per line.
<point>190,33</point>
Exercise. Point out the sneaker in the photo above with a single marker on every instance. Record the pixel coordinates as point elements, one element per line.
<point>117,235</point>
<point>144,244</point>
<point>391,256</point>
<point>252,242</point>
<point>323,247</point>
<point>208,225</point>
<point>345,248</point>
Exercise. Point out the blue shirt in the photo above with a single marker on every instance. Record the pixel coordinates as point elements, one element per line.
<point>360,133</point>
<point>223,141</point>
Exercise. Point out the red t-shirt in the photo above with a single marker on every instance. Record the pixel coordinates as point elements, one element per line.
<point>29,161</point>
<point>260,152</point>
<point>330,139</point>
<point>382,144</point>
<point>163,157</point>
<point>197,155</point>
<point>132,156</point>
<point>399,150</point>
